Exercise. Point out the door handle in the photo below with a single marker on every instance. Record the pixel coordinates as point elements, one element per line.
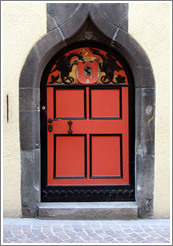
<point>70,122</point>
<point>50,120</point>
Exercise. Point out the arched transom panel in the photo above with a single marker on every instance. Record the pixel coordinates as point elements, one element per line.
<point>87,65</point>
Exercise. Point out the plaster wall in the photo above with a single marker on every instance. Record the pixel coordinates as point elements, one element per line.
<point>149,24</point>
<point>23,25</point>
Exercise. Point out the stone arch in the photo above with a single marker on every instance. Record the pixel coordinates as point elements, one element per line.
<point>57,38</point>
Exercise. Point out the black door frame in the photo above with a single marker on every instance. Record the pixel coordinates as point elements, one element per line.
<point>86,193</point>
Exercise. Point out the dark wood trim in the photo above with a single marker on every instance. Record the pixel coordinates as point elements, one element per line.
<point>131,135</point>
<point>88,193</point>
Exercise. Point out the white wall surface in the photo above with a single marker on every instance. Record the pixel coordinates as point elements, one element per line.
<point>23,25</point>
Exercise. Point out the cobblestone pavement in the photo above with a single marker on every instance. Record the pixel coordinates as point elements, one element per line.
<point>82,232</point>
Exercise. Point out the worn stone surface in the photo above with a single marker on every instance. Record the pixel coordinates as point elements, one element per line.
<point>25,95</point>
<point>58,15</point>
<point>88,211</point>
<point>58,232</point>
<point>115,13</point>
<point>29,69</point>
<point>145,185</point>
<point>30,180</point>
<point>144,114</point>
<point>144,77</point>
<point>29,130</point>
<point>107,27</point>
<point>49,45</point>
<point>37,173</point>
<point>75,22</point>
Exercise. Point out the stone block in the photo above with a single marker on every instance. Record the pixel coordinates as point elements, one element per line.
<point>102,23</point>
<point>27,76</point>
<point>30,212</point>
<point>29,99</point>
<point>145,116</point>
<point>29,129</point>
<point>49,45</point>
<point>72,26</point>
<point>36,170</point>
<point>29,192</point>
<point>144,77</point>
<point>88,211</point>
<point>115,13</point>
<point>145,185</point>
<point>59,13</point>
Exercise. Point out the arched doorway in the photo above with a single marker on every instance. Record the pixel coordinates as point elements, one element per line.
<point>143,105</point>
<point>87,87</point>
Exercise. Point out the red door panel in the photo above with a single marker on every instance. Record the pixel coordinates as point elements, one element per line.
<point>96,153</point>
<point>70,157</point>
<point>106,159</point>
<point>105,103</point>
<point>70,103</point>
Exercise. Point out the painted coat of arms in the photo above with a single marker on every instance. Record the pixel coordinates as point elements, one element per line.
<point>87,72</point>
<point>87,66</point>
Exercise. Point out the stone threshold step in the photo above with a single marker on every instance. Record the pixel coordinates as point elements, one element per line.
<point>88,210</point>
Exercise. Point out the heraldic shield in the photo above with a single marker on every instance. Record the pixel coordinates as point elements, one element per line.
<point>87,72</point>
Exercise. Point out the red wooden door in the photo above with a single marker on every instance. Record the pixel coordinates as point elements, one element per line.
<point>97,150</point>
<point>87,124</point>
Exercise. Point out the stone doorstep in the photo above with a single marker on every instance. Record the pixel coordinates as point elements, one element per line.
<point>88,210</point>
